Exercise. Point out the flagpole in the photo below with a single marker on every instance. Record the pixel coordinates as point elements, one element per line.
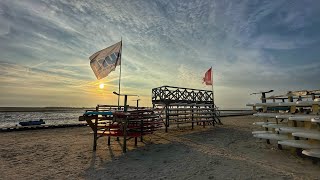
<point>212,87</point>
<point>120,75</point>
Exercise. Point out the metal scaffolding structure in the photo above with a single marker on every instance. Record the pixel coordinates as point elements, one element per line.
<point>185,105</point>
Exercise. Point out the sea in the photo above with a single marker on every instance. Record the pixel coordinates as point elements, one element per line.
<point>9,119</point>
<point>53,116</point>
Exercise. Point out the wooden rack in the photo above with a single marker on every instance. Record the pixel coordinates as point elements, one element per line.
<point>292,124</point>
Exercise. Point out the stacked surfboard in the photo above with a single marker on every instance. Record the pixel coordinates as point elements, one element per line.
<point>300,131</point>
<point>269,124</point>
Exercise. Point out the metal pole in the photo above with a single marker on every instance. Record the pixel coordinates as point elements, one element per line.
<point>214,109</point>
<point>124,148</point>
<point>120,75</point>
<point>95,131</point>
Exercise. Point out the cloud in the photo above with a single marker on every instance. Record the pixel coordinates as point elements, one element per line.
<point>251,45</point>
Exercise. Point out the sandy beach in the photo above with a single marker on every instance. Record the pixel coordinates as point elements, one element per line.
<point>222,152</point>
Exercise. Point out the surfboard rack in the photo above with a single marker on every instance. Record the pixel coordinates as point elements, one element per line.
<point>128,123</point>
<point>291,123</point>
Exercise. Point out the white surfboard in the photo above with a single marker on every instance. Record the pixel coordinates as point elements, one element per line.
<point>267,104</point>
<point>267,115</point>
<point>302,118</point>
<point>251,104</point>
<point>307,103</point>
<point>274,126</point>
<point>304,144</point>
<point>287,104</point>
<point>284,116</point>
<point>262,132</point>
<point>309,135</point>
<point>263,123</point>
<point>312,152</point>
<point>271,136</point>
<point>315,120</point>
<point>294,129</point>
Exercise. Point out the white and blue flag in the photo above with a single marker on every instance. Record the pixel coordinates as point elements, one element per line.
<point>106,60</point>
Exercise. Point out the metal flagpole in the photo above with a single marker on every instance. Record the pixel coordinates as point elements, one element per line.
<point>212,86</point>
<point>120,75</point>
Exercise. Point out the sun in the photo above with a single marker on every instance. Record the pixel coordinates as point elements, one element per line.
<point>101,86</point>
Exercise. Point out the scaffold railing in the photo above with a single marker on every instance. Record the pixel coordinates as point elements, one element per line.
<point>171,94</point>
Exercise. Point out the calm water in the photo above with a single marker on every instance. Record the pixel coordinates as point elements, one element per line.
<point>8,119</point>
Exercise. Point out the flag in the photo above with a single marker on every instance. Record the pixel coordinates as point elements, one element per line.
<point>208,77</point>
<point>106,60</point>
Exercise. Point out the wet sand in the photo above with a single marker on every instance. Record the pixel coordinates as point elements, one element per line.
<point>222,152</point>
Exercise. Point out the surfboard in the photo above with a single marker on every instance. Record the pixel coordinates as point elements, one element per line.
<point>304,144</point>
<point>262,132</point>
<point>293,129</point>
<point>307,103</point>
<point>315,120</point>
<point>309,135</point>
<point>267,104</point>
<point>263,123</point>
<point>287,104</point>
<point>301,118</point>
<point>251,104</point>
<point>268,115</point>
<point>274,126</point>
<point>312,152</point>
<point>284,116</point>
<point>271,136</point>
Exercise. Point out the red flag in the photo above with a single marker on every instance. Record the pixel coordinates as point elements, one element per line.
<point>208,77</point>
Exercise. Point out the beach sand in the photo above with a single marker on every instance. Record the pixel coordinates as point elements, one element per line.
<point>222,152</point>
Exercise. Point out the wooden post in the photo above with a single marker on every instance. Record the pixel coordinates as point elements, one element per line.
<point>124,148</point>
<point>141,137</point>
<point>135,141</point>
<point>263,98</point>
<point>213,111</point>
<point>167,118</point>
<point>95,131</point>
<point>315,108</point>
<point>192,123</point>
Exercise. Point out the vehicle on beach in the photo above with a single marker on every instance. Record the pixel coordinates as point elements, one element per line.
<point>32,123</point>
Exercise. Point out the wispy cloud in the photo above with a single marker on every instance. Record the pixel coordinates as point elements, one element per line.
<point>45,45</point>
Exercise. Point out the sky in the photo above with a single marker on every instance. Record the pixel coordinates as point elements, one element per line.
<point>252,45</point>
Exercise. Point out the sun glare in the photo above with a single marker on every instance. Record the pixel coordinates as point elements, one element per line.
<point>101,86</point>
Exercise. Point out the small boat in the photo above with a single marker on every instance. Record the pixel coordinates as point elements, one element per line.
<point>31,123</point>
